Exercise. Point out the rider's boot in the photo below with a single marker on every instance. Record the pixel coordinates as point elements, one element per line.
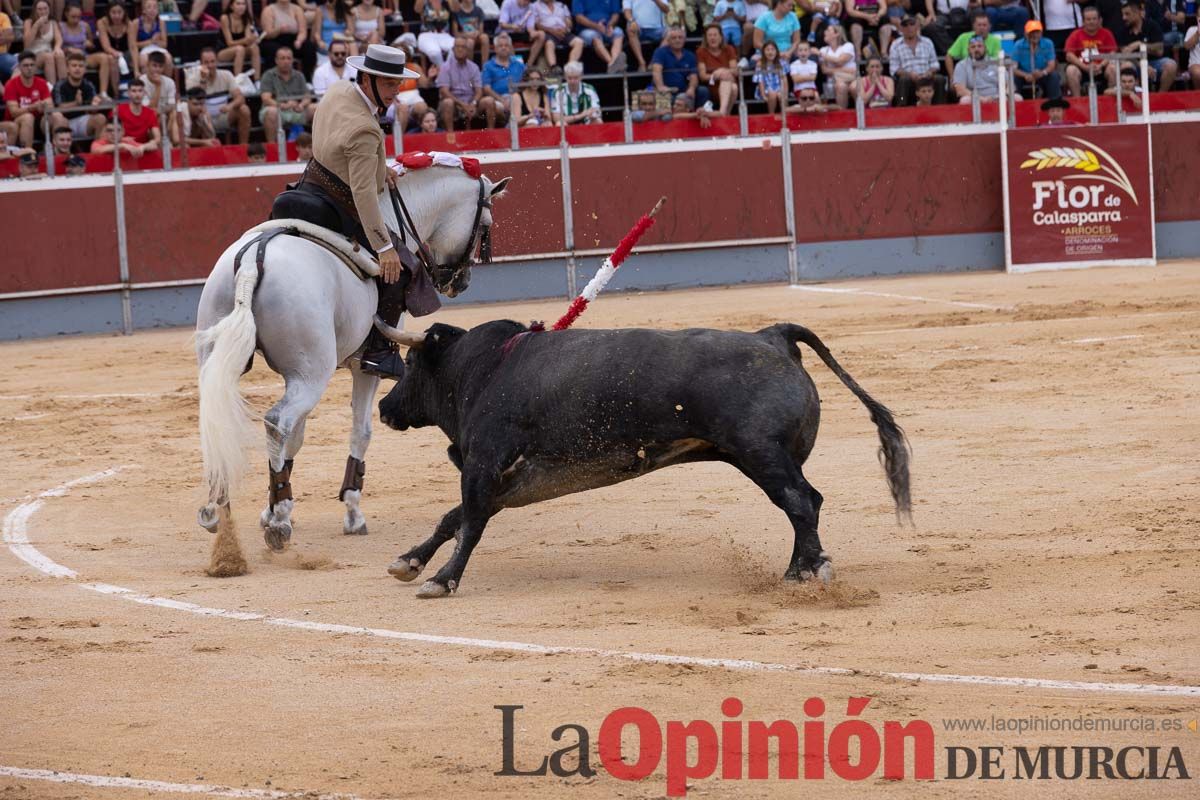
<point>380,356</point>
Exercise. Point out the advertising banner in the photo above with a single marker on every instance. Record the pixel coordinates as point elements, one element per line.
<point>1078,196</point>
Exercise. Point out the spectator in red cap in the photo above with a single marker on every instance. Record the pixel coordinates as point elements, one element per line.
<point>1035,63</point>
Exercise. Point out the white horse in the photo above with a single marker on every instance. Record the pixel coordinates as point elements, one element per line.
<point>308,315</point>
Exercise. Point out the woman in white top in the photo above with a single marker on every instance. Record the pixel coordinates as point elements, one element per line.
<point>1191,43</point>
<point>838,63</point>
<point>368,24</point>
<point>43,37</point>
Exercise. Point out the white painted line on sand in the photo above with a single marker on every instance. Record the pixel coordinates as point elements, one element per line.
<point>16,535</point>
<point>110,782</point>
<point>1001,322</point>
<point>1099,339</point>
<point>848,290</point>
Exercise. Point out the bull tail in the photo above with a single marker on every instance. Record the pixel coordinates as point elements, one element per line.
<point>225,424</point>
<point>893,444</point>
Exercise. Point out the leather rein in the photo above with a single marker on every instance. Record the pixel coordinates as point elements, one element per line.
<point>480,234</point>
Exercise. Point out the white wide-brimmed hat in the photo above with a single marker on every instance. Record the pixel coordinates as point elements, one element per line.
<point>384,61</point>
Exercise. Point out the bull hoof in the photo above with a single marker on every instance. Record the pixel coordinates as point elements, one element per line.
<point>405,570</point>
<point>207,518</point>
<point>277,535</point>
<point>431,588</point>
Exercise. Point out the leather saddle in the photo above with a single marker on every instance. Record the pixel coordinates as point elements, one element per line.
<point>300,202</point>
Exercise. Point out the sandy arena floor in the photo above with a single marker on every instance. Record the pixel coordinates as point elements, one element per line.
<point>1057,503</point>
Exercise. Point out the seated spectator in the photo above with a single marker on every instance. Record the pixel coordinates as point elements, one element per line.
<point>369,24</point>
<point>160,93</point>
<point>435,39</point>
<point>925,91</point>
<point>838,64</point>
<point>1135,31</point>
<point>499,75</point>
<point>113,32</point>
<point>596,24</point>
<point>531,105</point>
<point>1131,92</point>
<point>808,101</point>
<point>951,19</point>
<point>1006,15</point>
<point>646,22</point>
<point>647,106</point>
<point>770,77</point>
<point>575,101</point>
<point>44,39</point>
<point>8,61</point>
<point>284,25</point>
<point>196,123</point>
<point>1059,18</point>
<point>1056,111</point>
<point>151,37</point>
<point>76,91</point>
<point>754,10</point>
<point>334,70</point>
<point>673,67</point>
<point>429,123</point>
<point>730,17</point>
<point>870,31</point>
<point>1192,43</point>
<point>304,147</point>
<point>8,150</point>
<point>409,105</point>
<point>76,165</point>
<point>64,141</point>
<point>823,13</point>
<point>683,107</point>
<point>977,74</point>
<point>716,62</point>
<point>803,71</point>
<point>1083,45</point>
<point>911,58</point>
<point>1035,62</point>
<point>139,122</point>
<point>331,24</point>
<point>241,38</point>
<point>28,166</point>
<point>467,21</point>
<point>26,98</point>
<point>1174,23</point>
<point>876,89</point>
<point>77,35</point>
<point>256,153</point>
<point>517,20</point>
<point>286,102</point>
<point>460,86</point>
<point>226,105</point>
<point>779,26</point>
<point>553,18</point>
<point>980,26</point>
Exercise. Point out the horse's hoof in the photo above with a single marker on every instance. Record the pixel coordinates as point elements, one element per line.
<point>277,535</point>
<point>207,518</point>
<point>264,519</point>
<point>405,570</point>
<point>825,572</point>
<point>432,588</point>
<point>351,530</point>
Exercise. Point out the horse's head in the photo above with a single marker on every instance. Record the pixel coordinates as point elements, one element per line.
<point>452,214</point>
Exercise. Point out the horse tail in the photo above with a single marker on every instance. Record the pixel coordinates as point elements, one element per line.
<point>893,445</point>
<point>225,423</point>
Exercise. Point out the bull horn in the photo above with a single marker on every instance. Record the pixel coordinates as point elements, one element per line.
<point>413,340</point>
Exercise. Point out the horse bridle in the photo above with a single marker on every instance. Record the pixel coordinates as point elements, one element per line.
<point>481,235</point>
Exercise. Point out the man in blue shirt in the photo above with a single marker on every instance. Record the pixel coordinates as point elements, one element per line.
<point>499,74</point>
<point>674,69</point>
<point>1034,57</point>
<point>596,22</point>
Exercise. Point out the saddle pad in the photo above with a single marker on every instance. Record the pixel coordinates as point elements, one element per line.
<point>354,257</point>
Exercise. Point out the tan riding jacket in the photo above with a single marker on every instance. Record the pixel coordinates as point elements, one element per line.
<point>348,142</point>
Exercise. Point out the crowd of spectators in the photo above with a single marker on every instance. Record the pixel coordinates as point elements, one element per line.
<point>69,65</point>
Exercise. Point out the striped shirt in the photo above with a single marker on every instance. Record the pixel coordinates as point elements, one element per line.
<point>568,105</point>
<point>903,59</point>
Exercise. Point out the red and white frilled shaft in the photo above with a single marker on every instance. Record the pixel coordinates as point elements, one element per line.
<point>607,269</point>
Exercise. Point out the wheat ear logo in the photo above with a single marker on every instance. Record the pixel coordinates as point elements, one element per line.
<point>1083,160</point>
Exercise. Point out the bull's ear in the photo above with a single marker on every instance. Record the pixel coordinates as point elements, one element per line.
<point>438,339</point>
<point>500,186</point>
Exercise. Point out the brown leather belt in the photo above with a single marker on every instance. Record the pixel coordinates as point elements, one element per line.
<point>338,190</point>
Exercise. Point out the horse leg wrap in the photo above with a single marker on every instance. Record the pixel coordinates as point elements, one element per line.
<point>353,480</point>
<point>281,484</point>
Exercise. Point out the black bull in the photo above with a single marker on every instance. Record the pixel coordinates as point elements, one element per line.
<point>567,411</point>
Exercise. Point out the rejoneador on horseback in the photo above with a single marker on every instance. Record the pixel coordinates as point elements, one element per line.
<point>352,245</point>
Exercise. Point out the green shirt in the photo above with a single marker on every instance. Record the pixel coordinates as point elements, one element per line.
<point>958,50</point>
<point>292,89</point>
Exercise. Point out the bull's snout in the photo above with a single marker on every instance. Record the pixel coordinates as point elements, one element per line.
<point>391,415</point>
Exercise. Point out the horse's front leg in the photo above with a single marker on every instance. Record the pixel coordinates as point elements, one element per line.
<point>363,405</point>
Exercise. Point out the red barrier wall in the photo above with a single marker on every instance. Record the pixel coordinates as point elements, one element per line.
<point>59,239</point>
<point>1175,148</point>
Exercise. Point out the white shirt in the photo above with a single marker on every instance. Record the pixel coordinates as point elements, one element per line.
<point>1061,15</point>
<point>1194,53</point>
<point>804,74</point>
<point>324,77</point>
